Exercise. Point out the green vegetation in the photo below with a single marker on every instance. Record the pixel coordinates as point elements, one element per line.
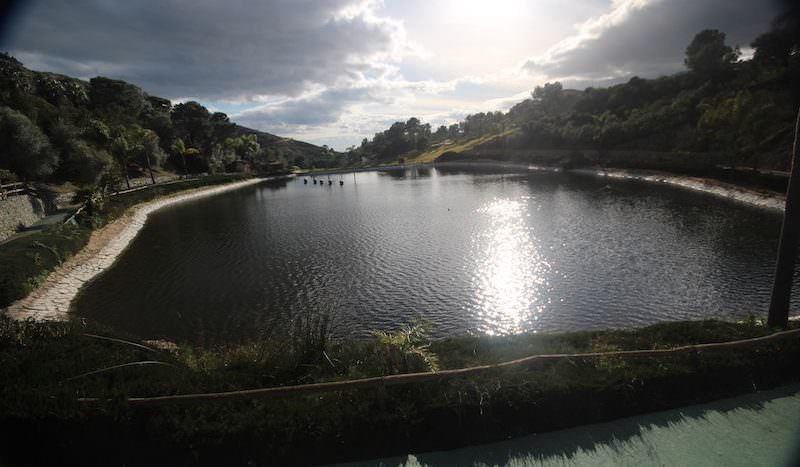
<point>28,260</point>
<point>58,129</point>
<point>726,110</point>
<point>46,366</point>
<point>98,134</point>
<point>432,154</point>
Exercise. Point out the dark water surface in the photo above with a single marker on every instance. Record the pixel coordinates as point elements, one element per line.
<point>477,251</point>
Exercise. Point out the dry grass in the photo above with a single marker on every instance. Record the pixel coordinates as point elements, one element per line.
<point>460,146</point>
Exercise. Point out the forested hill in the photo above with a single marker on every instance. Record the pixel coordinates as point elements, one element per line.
<point>55,128</point>
<point>721,109</point>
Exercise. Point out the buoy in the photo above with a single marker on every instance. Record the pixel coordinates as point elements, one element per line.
<point>305,181</point>
<point>330,182</point>
<point>315,181</point>
<point>341,182</point>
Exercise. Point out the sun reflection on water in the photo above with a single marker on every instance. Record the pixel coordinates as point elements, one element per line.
<point>510,275</point>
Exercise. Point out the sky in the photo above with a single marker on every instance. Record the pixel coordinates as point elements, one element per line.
<point>335,71</point>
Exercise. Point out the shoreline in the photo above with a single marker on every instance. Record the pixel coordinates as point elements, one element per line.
<point>52,299</point>
<point>763,199</point>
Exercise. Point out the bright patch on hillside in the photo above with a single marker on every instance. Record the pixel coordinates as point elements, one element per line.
<point>432,154</point>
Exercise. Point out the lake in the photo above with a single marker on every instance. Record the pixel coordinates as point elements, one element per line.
<point>466,250</point>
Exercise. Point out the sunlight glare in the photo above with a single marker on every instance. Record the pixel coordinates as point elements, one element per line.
<point>510,275</point>
<point>480,11</point>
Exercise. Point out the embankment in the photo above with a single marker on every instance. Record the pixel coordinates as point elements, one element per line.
<point>51,300</point>
<point>761,198</point>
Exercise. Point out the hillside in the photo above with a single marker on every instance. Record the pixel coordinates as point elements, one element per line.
<point>57,129</point>
<point>722,110</point>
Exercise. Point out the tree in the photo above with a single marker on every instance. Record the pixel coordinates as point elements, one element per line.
<point>781,43</point>
<point>192,124</point>
<point>144,146</point>
<point>249,146</point>
<point>26,150</point>
<point>548,97</point>
<point>787,244</point>
<point>117,100</point>
<point>441,133</point>
<point>83,163</point>
<point>120,150</point>
<point>180,149</point>
<point>222,127</point>
<point>708,56</point>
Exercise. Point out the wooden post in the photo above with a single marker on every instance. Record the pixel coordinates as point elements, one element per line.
<point>787,245</point>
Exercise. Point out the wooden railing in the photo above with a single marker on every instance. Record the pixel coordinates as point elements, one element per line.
<point>13,189</point>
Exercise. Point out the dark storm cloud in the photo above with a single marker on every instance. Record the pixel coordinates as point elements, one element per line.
<point>203,48</point>
<point>649,37</point>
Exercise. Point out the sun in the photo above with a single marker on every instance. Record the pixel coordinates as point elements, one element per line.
<point>480,11</point>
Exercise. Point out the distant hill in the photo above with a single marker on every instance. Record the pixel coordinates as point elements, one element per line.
<point>720,111</point>
<point>294,152</point>
<point>56,128</point>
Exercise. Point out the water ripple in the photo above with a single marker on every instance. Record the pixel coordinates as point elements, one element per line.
<point>468,252</point>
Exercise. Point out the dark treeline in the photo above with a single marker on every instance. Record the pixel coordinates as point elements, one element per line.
<point>56,129</point>
<point>743,109</point>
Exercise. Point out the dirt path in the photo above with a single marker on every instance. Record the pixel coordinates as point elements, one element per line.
<point>52,299</point>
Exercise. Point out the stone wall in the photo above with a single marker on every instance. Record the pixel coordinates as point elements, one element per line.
<point>19,210</point>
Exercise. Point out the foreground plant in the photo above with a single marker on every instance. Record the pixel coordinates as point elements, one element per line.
<point>408,350</point>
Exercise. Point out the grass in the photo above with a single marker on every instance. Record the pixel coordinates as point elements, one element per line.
<point>39,363</point>
<point>460,146</point>
<point>26,261</point>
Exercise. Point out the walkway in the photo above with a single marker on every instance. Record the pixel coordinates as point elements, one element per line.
<point>761,429</point>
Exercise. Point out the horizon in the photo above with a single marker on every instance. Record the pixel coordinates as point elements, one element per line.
<point>333,73</point>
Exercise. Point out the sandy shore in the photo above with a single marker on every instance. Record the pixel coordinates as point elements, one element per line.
<point>52,299</point>
<point>758,198</point>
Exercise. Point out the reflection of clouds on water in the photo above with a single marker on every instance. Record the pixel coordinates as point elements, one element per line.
<point>510,273</point>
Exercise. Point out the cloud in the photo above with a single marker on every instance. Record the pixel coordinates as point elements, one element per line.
<point>234,50</point>
<point>319,108</point>
<point>334,71</point>
<point>647,37</point>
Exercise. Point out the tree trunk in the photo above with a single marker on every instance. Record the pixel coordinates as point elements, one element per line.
<point>150,169</point>
<point>787,245</point>
<point>127,178</point>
